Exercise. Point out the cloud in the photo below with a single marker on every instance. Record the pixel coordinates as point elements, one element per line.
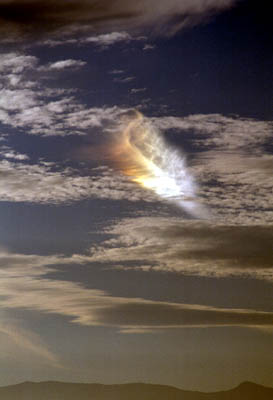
<point>59,65</point>
<point>216,131</point>
<point>34,18</point>
<point>100,40</point>
<point>116,72</point>
<point>237,187</point>
<point>41,183</point>
<point>149,47</point>
<point>25,285</point>
<point>188,247</point>
<point>7,152</point>
<point>125,80</point>
<point>138,90</point>
<point>16,63</point>
<point>108,39</point>
<point>27,104</point>
<point>230,161</point>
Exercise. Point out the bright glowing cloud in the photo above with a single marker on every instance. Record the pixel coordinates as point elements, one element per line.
<point>141,153</point>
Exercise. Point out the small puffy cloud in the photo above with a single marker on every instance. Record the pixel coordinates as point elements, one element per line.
<point>8,153</point>
<point>25,285</point>
<point>116,72</point>
<point>108,39</point>
<point>13,100</point>
<point>60,65</point>
<point>138,90</point>
<point>16,63</point>
<point>125,80</point>
<point>187,247</point>
<point>147,47</point>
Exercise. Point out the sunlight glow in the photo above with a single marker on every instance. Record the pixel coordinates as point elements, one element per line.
<point>142,154</point>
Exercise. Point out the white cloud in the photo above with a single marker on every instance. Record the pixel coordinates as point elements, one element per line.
<point>230,163</point>
<point>25,104</point>
<point>116,72</point>
<point>38,183</point>
<point>16,63</point>
<point>125,80</point>
<point>60,65</point>
<point>138,90</point>
<point>216,131</point>
<point>236,186</point>
<point>13,100</point>
<point>149,47</point>
<point>104,41</point>
<point>8,153</point>
<point>108,39</point>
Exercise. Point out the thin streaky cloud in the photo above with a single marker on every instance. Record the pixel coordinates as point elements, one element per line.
<point>33,290</point>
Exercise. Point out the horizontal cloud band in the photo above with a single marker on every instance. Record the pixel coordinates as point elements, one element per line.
<point>40,16</point>
<point>24,285</point>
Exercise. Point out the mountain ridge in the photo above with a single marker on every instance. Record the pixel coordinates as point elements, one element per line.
<point>53,390</point>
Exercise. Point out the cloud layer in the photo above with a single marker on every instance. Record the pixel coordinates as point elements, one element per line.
<point>230,161</point>
<point>37,17</point>
<point>40,183</point>
<point>187,247</point>
<point>25,285</point>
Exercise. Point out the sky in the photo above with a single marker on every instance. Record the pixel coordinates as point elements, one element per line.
<point>136,192</point>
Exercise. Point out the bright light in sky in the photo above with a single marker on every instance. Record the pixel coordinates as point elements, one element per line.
<point>142,154</point>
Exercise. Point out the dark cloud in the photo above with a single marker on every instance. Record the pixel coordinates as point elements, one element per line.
<point>25,285</point>
<point>41,16</point>
<point>239,246</point>
<point>190,248</point>
<point>169,315</point>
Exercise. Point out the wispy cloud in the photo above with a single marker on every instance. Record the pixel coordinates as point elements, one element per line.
<point>7,152</point>
<point>60,65</point>
<point>40,183</point>
<point>231,163</point>
<point>216,131</point>
<point>24,284</point>
<point>148,46</point>
<point>125,80</point>
<point>108,39</point>
<point>116,72</point>
<point>138,90</point>
<point>25,103</point>
<point>103,41</point>
<point>16,63</point>
<point>188,247</point>
<point>164,17</point>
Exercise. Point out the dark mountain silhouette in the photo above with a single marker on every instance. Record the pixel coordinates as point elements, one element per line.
<point>132,391</point>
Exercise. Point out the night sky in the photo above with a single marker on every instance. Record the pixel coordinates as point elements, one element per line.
<point>136,212</point>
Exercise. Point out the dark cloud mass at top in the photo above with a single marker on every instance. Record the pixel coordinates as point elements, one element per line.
<point>30,17</point>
